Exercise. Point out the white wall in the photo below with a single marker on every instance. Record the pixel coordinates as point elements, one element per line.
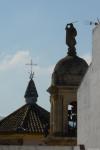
<point>89,99</point>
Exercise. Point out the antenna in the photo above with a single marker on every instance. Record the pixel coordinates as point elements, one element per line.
<point>92,22</point>
<point>31,68</point>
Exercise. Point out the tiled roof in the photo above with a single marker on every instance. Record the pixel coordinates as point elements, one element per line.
<point>28,118</point>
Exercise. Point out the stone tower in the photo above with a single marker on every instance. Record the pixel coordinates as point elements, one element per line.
<point>66,78</point>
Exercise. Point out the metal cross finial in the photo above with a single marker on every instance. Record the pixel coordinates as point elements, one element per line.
<point>31,72</point>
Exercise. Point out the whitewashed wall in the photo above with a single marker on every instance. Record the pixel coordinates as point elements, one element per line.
<point>89,99</point>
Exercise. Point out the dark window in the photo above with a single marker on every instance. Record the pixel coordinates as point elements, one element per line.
<point>72,119</point>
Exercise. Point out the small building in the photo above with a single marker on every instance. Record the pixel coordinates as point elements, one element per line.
<point>27,125</point>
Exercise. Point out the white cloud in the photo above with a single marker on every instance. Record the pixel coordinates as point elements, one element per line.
<point>19,59</point>
<point>12,61</point>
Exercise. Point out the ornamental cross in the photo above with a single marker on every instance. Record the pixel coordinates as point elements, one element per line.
<point>31,68</point>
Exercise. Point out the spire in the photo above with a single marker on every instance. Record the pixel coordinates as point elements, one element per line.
<point>70,39</point>
<point>31,94</point>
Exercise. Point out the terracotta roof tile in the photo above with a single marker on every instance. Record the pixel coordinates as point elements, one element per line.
<point>28,118</point>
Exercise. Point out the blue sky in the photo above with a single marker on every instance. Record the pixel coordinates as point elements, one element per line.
<point>36,29</point>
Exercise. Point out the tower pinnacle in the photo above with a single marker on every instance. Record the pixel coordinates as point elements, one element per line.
<point>70,39</point>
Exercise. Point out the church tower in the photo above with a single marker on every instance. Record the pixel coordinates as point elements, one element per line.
<point>66,78</point>
<point>29,124</point>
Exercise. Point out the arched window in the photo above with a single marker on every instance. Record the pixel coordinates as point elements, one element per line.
<point>72,119</point>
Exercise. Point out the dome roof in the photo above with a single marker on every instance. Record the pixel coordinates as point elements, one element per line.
<point>69,71</point>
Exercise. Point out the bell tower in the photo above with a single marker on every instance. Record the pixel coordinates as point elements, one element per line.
<point>66,78</point>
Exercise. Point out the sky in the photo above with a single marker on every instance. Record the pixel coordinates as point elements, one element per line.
<point>35,29</point>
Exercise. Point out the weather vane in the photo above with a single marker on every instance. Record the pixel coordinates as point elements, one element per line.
<point>31,64</point>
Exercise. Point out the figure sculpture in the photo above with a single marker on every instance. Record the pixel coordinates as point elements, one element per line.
<point>70,36</point>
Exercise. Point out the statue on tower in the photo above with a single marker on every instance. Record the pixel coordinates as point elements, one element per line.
<point>70,38</point>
